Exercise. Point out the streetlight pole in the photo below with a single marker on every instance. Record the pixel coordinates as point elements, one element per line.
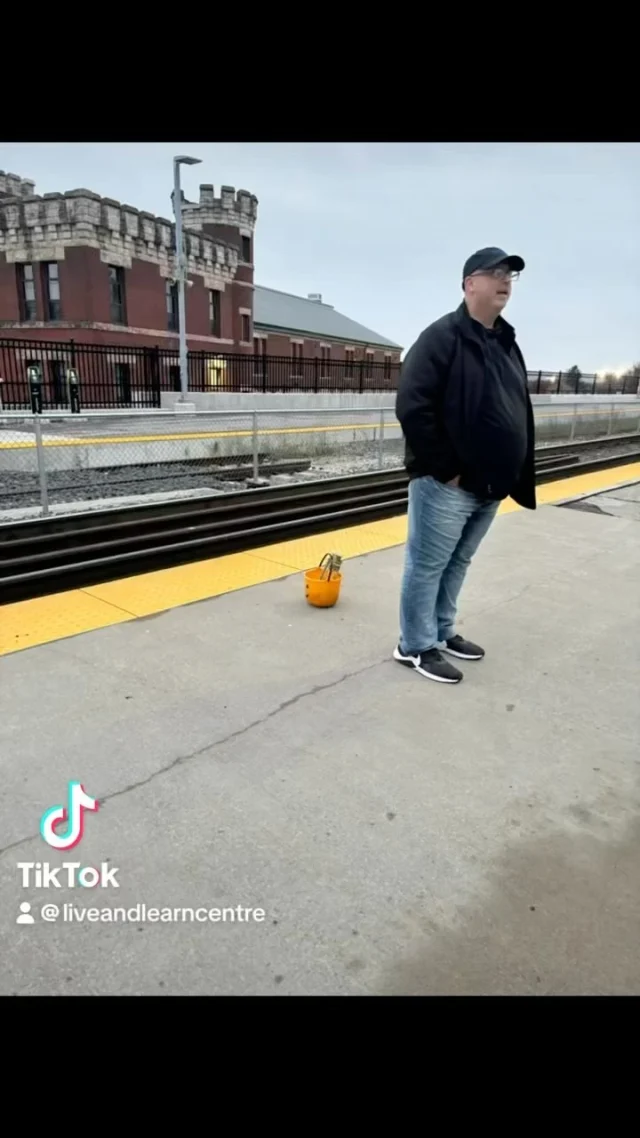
<point>181,160</point>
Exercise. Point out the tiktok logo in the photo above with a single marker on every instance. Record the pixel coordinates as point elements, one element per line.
<point>72,814</point>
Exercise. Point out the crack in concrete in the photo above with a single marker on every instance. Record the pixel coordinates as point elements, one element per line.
<point>181,759</point>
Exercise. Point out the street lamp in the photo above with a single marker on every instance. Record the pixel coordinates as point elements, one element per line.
<point>181,160</point>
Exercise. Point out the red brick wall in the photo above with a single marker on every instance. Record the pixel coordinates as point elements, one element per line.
<point>146,301</point>
<point>9,305</point>
<point>85,303</point>
<point>112,334</point>
<point>227,233</point>
<point>86,317</point>
<point>279,344</point>
<point>84,287</point>
<point>240,297</point>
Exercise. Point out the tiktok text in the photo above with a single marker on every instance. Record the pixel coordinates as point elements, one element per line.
<point>42,875</point>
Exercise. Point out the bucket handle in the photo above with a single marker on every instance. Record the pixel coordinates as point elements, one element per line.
<point>334,561</point>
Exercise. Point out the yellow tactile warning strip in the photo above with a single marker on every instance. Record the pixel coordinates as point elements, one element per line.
<point>168,588</point>
<point>45,619</point>
<point>317,429</point>
<point>27,623</point>
<point>581,484</point>
<point>179,436</point>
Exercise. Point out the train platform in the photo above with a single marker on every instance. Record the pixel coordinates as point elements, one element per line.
<point>284,810</point>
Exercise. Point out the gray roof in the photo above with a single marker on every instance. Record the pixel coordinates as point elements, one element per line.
<point>272,309</point>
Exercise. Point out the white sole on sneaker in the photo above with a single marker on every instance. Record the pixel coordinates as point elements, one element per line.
<point>412,662</point>
<point>461,655</point>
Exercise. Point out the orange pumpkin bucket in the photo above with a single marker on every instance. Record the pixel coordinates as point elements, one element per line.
<point>322,584</point>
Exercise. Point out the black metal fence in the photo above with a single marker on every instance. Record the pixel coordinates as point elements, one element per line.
<point>123,376</point>
<point>568,383</point>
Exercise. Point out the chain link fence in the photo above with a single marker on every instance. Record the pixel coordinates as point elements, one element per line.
<point>61,464</point>
<point>57,464</point>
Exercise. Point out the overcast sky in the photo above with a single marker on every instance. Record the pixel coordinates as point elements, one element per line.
<point>382,229</point>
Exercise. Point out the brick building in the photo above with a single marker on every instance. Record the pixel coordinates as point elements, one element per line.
<point>76,266</point>
<point>306,328</point>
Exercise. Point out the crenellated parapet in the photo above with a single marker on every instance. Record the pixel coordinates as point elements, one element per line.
<point>41,228</point>
<point>237,209</point>
<point>13,186</point>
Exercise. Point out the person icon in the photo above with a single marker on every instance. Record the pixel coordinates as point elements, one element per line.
<point>25,917</point>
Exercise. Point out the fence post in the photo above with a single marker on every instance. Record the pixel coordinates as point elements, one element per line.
<point>74,367</point>
<point>156,379</point>
<point>381,440</point>
<point>255,444</point>
<point>42,469</point>
<point>573,422</point>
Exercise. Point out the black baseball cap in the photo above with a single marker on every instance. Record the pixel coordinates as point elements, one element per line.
<point>489,259</point>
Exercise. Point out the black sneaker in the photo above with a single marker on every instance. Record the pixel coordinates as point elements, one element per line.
<point>464,649</point>
<point>430,664</point>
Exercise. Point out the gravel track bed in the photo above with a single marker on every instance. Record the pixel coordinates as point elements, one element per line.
<point>21,492</point>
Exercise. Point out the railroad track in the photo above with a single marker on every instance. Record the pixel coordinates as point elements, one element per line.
<point>48,555</point>
<point>155,474</point>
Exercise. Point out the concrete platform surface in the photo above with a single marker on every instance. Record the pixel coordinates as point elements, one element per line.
<point>623,502</point>
<point>401,836</point>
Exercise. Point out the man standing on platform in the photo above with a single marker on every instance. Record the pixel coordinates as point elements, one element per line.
<point>464,407</point>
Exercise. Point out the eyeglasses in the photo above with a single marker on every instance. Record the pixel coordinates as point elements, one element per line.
<point>498,274</point>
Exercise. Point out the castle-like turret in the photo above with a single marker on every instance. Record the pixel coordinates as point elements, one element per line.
<point>237,210</point>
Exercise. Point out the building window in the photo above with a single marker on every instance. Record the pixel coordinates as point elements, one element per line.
<point>51,289</point>
<point>349,357</point>
<point>214,312</point>
<point>173,316</point>
<point>387,366</point>
<point>259,346</point>
<point>246,250</point>
<point>117,295</point>
<point>26,292</point>
<point>368,364</point>
<point>246,328</point>
<point>325,354</point>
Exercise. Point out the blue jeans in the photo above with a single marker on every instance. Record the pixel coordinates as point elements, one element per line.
<point>445,527</point>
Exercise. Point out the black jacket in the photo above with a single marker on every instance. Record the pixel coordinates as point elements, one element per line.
<point>454,415</point>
